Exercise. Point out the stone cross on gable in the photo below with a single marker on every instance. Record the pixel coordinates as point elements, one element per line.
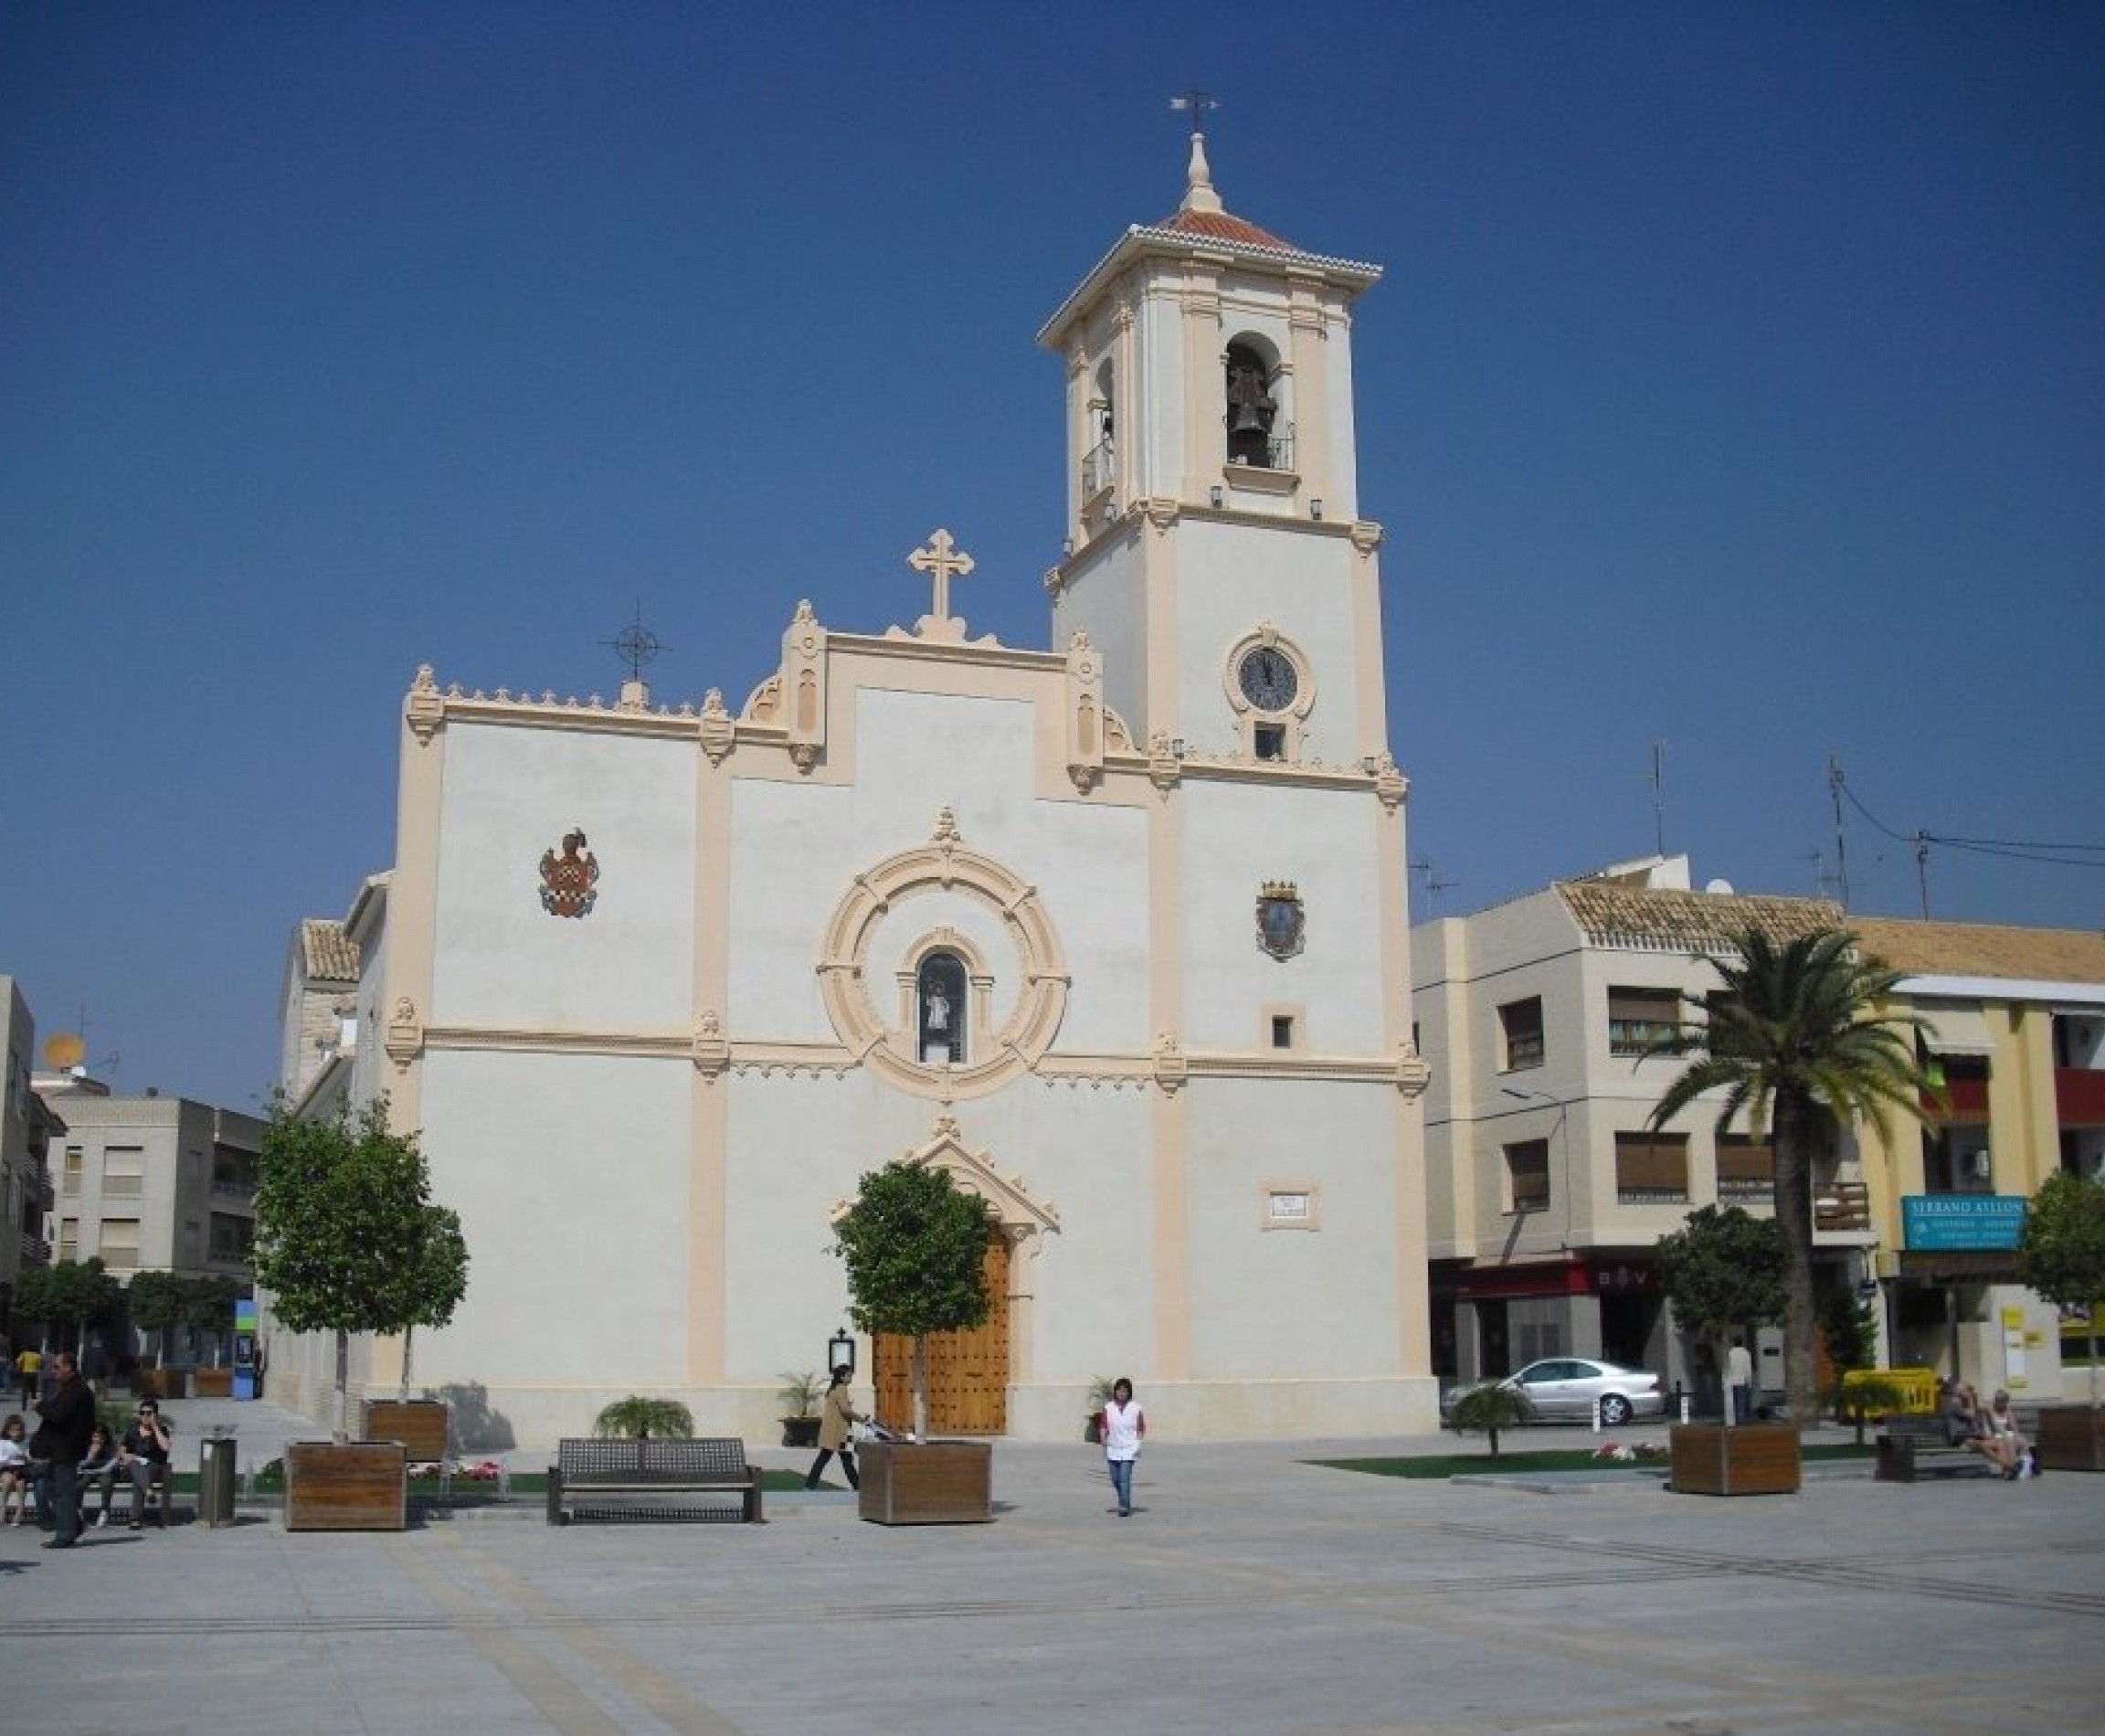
<point>943,561</point>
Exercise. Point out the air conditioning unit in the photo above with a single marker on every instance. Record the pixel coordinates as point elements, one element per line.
<point>1978,1164</point>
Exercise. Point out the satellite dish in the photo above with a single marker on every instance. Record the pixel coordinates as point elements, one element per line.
<point>65,1052</point>
<point>1719,888</point>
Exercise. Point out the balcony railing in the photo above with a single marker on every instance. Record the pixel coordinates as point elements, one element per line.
<point>225,1189</point>
<point>1842,1208</point>
<point>1097,470</point>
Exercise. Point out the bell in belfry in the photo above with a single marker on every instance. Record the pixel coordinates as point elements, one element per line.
<point>1250,409</point>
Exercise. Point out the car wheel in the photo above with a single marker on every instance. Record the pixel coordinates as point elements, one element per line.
<point>1614,1410</point>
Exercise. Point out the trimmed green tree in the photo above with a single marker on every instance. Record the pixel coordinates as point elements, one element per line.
<point>208,1307</point>
<point>2062,1253</point>
<point>69,1296</point>
<point>154,1301</point>
<point>1796,1042</point>
<point>915,1248</point>
<point>1725,1270</point>
<point>344,1232</point>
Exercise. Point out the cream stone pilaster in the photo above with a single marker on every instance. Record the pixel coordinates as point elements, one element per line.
<point>1205,361</point>
<point>709,1092</point>
<point>1084,714</point>
<point>1311,383</point>
<point>413,899</point>
<point>1372,721</point>
<point>1156,548</point>
<point>804,686</point>
<point>1126,423</point>
<point>1170,1110</point>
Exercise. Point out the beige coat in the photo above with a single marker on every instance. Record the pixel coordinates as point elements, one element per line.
<point>836,1417</point>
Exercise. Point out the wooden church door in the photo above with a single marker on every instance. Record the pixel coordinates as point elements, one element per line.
<point>968,1371</point>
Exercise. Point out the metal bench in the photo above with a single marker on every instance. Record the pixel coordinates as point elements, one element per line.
<point>600,1479</point>
<point>1912,1447</point>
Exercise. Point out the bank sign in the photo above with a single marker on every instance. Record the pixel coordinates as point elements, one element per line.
<point>1949,1221</point>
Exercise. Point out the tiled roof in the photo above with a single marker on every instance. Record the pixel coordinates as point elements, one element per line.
<point>1219,225</point>
<point>330,955</point>
<point>1981,949</point>
<point>1687,922</point>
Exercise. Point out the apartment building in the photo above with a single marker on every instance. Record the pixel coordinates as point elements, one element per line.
<point>1547,1193</point>
<point>25,1130</point>
<point>153,1183</point>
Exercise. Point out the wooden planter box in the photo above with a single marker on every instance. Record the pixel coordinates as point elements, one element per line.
<point>420,1425</point>
<point>799,1431</point>
<point>931,1482</point>
<point>2071,1438</point>
<point>212,1383</point>
<point>346,1486</point>
<point>1756,1458</point>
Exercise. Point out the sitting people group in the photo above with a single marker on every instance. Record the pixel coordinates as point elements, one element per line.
<point>1991,1432</point>
<point>141,1459</point>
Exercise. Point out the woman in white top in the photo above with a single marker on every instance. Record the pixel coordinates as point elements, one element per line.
<point>1125,1426</point>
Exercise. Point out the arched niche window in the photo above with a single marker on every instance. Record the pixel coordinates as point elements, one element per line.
<point>940,1008</point>
<point>1098,463</point>
<point>1250,408</point>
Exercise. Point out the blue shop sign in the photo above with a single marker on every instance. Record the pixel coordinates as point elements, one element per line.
<point>1947,1221</point>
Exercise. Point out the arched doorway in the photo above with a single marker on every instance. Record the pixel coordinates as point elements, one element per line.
<point>968,1371</point>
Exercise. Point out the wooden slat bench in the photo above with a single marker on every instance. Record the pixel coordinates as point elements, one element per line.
<point>645,1480</point>
<point>1912,1447</point>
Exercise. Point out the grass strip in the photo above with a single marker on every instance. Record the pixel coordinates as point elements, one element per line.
<point>1446,1465</point>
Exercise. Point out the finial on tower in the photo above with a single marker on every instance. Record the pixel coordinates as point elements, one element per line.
<point>1199,194</point>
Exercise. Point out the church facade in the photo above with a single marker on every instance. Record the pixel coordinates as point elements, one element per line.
<point>1116,933</point>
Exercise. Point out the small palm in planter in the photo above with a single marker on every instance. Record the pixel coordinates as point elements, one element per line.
<point>636,1418</point>
<point>1099,1396</point>
<point>798,1396</point>
<point>1487,1410</point>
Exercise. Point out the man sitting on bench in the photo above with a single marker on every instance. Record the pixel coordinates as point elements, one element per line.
<point>144,1457</point>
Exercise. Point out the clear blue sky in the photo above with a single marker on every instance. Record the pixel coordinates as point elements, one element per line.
<point>1737,381</point>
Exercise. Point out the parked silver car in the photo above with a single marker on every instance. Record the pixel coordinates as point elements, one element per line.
<point>1564,1389</point>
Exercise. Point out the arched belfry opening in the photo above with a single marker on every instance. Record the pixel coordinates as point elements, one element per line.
<point>941,1010</point>
<point>1252,410</point>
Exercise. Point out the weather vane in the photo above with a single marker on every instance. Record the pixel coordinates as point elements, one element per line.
<point>1195,103</point>
<point>636,644</point>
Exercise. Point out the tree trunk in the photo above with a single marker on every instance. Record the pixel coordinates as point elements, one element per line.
<point>920,1363</point>
<point>1722,1354</point>
<point>408,1339</point>
<point>1794,1131</point>
<point>343,1386</point>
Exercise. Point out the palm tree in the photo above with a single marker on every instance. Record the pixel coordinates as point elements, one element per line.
<point>1798,1043</point>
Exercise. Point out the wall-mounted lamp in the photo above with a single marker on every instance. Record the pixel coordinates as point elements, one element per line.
<point>840,1351</point>
<point>1213,495</point>
<point>1067,545</point>
<point>1177,747</point>
<point>1315,506</point>
<point>1370,765</point>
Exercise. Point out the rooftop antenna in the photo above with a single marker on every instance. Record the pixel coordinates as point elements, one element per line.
<point>1659,797</point>
<point>1922,870</point>
<point>1841,848</point>
<point>1434,885</point>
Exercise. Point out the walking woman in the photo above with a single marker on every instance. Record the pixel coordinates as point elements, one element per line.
<point>1125,1426</point>
<point>837,1417</point>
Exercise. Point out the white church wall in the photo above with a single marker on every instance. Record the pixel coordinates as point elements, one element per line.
<point>571,1177</point>
<point>1235,578</point>
<point>510,795</point>
<point>788,842</point>
<point>1236,838</point>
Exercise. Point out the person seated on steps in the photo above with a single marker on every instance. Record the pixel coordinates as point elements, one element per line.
<point>144,1457</point>
<point>2001,1425</point>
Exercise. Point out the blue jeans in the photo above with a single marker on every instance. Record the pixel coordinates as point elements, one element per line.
<point>1122,1482</point>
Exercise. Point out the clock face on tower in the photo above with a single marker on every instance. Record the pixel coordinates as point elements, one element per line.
<point>1267,679</point>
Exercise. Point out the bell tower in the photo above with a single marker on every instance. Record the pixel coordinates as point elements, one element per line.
<point>1214,546</point>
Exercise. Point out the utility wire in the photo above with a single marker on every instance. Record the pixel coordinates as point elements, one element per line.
<point>2015,850</point>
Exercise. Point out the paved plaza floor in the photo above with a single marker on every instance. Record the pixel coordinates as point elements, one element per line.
<point>1252,1593</point>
